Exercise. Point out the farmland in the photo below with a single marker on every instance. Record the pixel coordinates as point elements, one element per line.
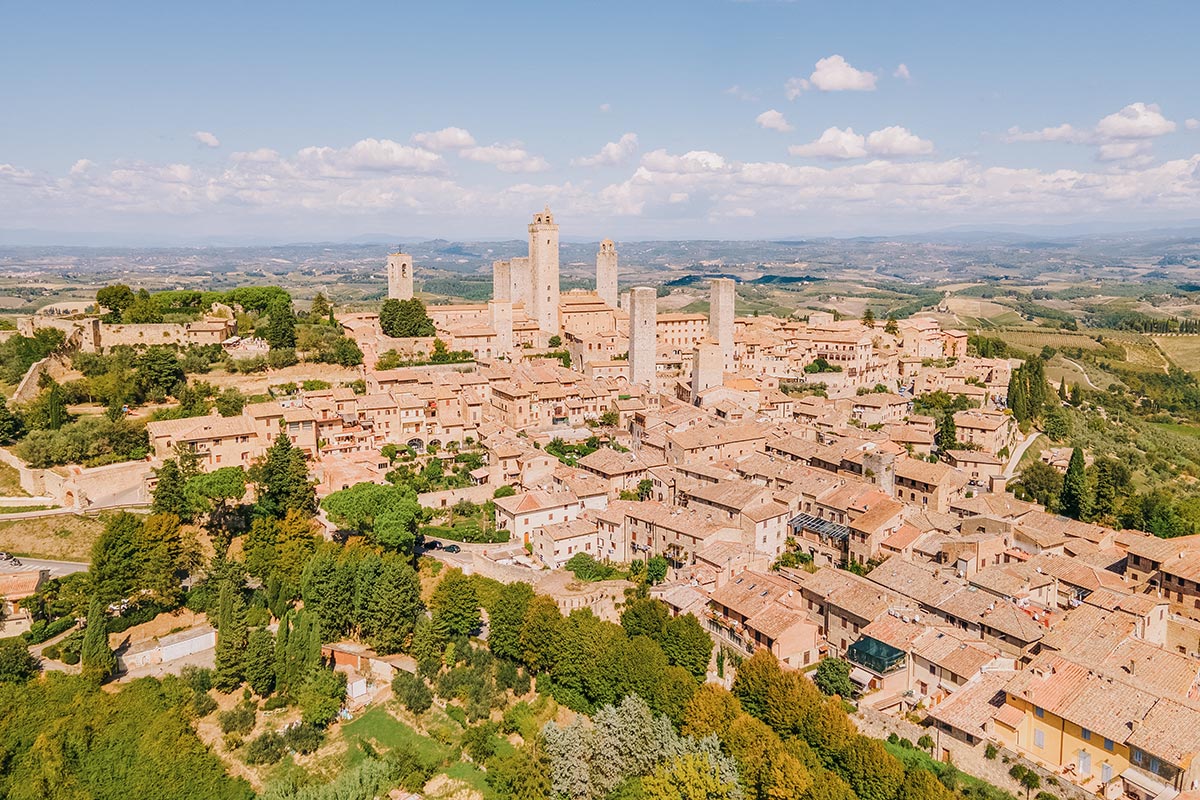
<point>1184,350</point>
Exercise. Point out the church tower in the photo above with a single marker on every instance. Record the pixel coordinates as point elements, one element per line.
<point>400,276</point>
<point>606,273</point>
<point>542,306</point>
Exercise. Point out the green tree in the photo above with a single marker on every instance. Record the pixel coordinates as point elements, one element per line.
<point>11,425</point>
<point>322,697</point>
<point>539,633</point>
<point>646,616</point>
<point>117,563</point>
<point>656,570</point>
<point>1041,483</point>
<point>692,776</point>
<point>454,605</point>
<point>143,310</point>
<point>1112,482</point>
<point>167,556</point>
<point>95,657</point>
<point>686,644</point>
<point>892,328</point>
<point>868,318</point>
<point>17,664</point>
<point>506,617</point>
<point>404,319</point>
<point>1062,389</point>
<point>1075,500</point>
<point>1076,395</point>
<point>230,657</point>
<point>947,432</point>
<point>394,605</point>
<point>320,308</point>
<point>156,371</point>
<point>116,298</point>
<point>833,677</point>
<point>260,661</point>
<point>412,691</point>
<point>230,402</point>
<point>280,329</point>
<point>282,480</point>
<point>520,775</point>
<point>1031,781</point>
<point>168,496</point>
<point>926,743</point>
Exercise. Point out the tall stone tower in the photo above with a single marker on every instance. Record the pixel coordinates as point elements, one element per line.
<point>500,314</point>
<point>606,273</point>
<point>502,281</point>
<point>543,270</point>
<point>643,336</point>
<point>720,314</point>
<point>400,276</point>
<point>708,363</point>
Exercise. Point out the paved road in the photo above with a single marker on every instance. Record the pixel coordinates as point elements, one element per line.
<point>1079,367</point>
<point>57,568</point>
<point>1019,452</point>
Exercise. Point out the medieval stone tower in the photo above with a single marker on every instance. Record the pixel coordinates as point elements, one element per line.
<point>400,276</point>
<point>720,315</point>
<point>542,305</point>
<point>643,336</point>
<point>606,273</point>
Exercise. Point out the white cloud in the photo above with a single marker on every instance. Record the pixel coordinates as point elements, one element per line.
<point>1123,151</point>
<point>902,73</point>
<point>506,158</point>
<point>81,166</point>
<point>795,87</point>
<point>897,141</point>
<point>690,163</point>
<point>742,93</point>
<point>372,155</point>
<point>611,154</point>
<point>1192,124</point>
<point>606,107</point>
<point>446,139</point>
<point>834,74</point>
<point>891,142</point>
<point>1121,136</point>
<point>1059,133</point>
<point>773,121</point>
<point>833,143</point>
<point>1135,121</point>
<point>677,197</point>
<point>207,139</point>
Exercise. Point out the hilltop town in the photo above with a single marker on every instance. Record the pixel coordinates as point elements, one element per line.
<point>835,491</point>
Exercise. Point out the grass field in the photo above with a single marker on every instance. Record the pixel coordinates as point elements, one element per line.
<point>10,482</point>
<point>1183,350</point>
<point>383,731</point>
<point>65,538</point>
<point>1182,430</point>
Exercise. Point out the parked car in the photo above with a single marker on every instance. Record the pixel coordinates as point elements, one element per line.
<point>453,548</point>
<point>433,544</point>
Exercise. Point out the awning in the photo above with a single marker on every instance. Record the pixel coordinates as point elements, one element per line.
<point>1148,783</point>
<point>861,676</point>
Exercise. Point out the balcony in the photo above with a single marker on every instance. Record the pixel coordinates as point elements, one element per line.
<point>879,657</point>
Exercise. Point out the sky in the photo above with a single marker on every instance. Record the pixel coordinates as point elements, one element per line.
<point>287,122</point>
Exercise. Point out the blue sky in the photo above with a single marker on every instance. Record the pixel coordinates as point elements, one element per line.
<point>291,121</point>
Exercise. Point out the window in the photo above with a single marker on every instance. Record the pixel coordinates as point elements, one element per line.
<point>1108,745</point>
<point>1087,735</point>
<point>1039,712</point>
<point>1106,772</point>
<point>1039,739</point>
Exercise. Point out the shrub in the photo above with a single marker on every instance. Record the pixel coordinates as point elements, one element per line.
<point>266,749</point>
<point>275,702</point>
<point>990,752</point>
<point>480,742</point>
<point>203,704</point>
<point>237,720</point>
<point>303,738</point>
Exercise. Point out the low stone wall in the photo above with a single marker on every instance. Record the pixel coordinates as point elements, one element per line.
<point>448,497</point>
<point>84,488</point>
<point>970,759</point>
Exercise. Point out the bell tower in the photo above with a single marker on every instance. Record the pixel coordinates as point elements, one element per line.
<point>400,276</point>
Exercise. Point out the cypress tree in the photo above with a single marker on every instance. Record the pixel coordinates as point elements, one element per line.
<point>230,656</point>
<point>1075,500</point>
<point>169,497</point>
<point>1062,388</point>
<point>1016,395</point>
<point>1076,395</point>
<point>96,659</point>
<point>947,433</point>
<point>260,662</point>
